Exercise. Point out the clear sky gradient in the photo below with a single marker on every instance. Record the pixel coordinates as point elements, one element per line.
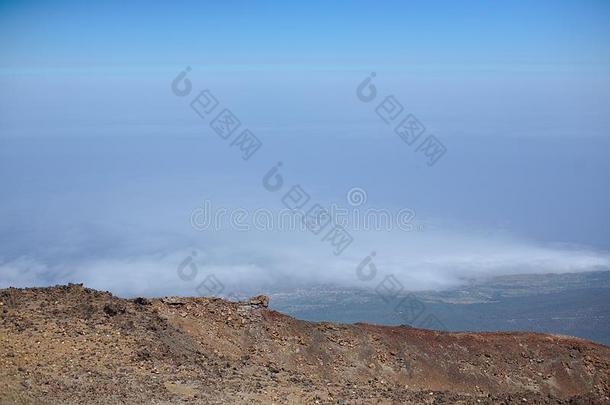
<point>70,34</point>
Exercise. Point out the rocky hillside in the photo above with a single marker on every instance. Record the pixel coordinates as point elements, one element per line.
<point>70,344</point>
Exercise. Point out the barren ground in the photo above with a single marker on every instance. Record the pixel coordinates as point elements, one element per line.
<point>70,344</point>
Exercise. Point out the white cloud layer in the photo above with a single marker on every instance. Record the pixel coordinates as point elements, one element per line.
<point>254,261</point>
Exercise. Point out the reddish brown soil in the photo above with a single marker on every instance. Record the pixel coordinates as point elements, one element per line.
<point>70,344</point>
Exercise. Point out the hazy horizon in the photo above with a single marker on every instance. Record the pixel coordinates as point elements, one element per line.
<point>102,165</point>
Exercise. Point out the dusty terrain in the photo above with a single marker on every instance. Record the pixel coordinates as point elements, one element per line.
<point>70,344</point>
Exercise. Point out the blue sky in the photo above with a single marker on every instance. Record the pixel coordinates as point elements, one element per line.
<point>101,165</point>
<point>70,34</point>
